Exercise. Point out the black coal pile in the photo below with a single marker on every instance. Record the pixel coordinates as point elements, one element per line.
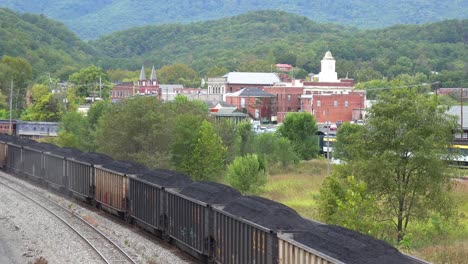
<point>166,178</point>
<point>126,167</point>
<point>210,192</point>
<point>47,147</point>
<point>67,152</point>
<point>267,213</point>
<point>94,158</point>
<point>7,138</point>
<point>21,141</point>
<point>349,246</point>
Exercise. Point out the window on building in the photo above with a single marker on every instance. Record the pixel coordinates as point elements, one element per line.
<point>346,103</point>
<point>335,103</point>
<point>243,102</point>
<point>318,103</point>
<point>289,97</point>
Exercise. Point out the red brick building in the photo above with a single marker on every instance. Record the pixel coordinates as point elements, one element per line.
<point>143,87</point>
<point>335,107</point>
<point>288,97</point>
<point>258,104</point>
<point>122,90</point>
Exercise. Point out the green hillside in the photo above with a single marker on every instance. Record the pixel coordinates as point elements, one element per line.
<point>90,19</point>
<point>46,44</point>
<point>278,37</point>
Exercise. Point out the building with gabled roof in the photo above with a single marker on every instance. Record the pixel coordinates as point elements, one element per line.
<point>148,87</point>
<point>255,102</point>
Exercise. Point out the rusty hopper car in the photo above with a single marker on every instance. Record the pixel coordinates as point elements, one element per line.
<point>147,197</point>
<point>112,185</point>
<point>81,174</point>
<point>189,215</point>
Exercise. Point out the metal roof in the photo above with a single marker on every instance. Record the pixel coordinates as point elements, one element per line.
<point>260,78</point>
<point>251,92</point>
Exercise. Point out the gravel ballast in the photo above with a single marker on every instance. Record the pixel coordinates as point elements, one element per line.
<point>39,233</point>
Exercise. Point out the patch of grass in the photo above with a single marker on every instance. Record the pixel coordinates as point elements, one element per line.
<point>297,187</point>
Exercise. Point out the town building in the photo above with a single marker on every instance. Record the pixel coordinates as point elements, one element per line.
<point>255,102</point>
<point>235,81</point>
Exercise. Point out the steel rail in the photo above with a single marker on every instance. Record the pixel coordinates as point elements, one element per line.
<point>109,241</point>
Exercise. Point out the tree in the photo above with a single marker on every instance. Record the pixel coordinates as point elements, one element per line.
<point>45,107</point>
<point>275,149</point>
<point>206,161</point>
<point>178,74</point>
<point>398,155</point>
<point>247,174</point>
<point>227,131</point>
<point>87,80</point>
<point>74,132</point>
<point>348,203</point>
<point>300,129</point>
<point>246,134</point>
<point>138,129</point>
<point>19,71</point>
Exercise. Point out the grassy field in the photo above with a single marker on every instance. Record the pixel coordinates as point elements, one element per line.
<point>431,241</point>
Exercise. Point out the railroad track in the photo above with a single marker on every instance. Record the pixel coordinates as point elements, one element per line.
<point>104,247</point>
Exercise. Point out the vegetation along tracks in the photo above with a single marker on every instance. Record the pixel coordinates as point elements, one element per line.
<point>107,250</point>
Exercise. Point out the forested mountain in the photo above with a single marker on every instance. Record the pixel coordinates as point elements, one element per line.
<point>268,37</point>
<point>92,18</point>
<point>46,44</point>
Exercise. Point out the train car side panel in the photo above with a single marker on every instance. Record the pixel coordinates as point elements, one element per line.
<point>15,159</point>
<point>238,241</point>
<point>32,164</point>
<point>293,252</point>
<point>111,189</point>
<point>54,171</point>
<point>80,177</point>
<point>188,221</point>
<point>145,203</point>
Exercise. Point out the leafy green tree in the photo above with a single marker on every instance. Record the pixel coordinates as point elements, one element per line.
<point>300,129</point>
<point>45,107</point>
<point>227,130</point>
<point>138,129</point>
<point>74,132</point>
<point>348,203</point>
<point>247,136</point>
<point>206,161</point>
<point>216,71</point>
<point>247,174</point>
<point>398,155</point>
<point>19,71</point>
<point>178,74</point>
<point>87,80</point>
<point>275,149</point>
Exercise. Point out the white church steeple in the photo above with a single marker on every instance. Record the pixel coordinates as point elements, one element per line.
<point>327,72</point>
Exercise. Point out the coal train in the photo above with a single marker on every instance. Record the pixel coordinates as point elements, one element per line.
<point>208,220</point>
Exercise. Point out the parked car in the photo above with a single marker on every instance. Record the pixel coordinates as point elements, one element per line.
<point>339,123</point>
<point>333,127</point>
<point>326,124</point>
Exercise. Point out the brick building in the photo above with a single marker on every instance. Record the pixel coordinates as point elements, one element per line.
<point>142,87</point>
<point>335,106</point>
<point>255,102</point>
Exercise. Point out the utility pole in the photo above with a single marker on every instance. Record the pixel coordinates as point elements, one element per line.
<point>11,108</point>
<point>461,112</point>
<point>328,144</point>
